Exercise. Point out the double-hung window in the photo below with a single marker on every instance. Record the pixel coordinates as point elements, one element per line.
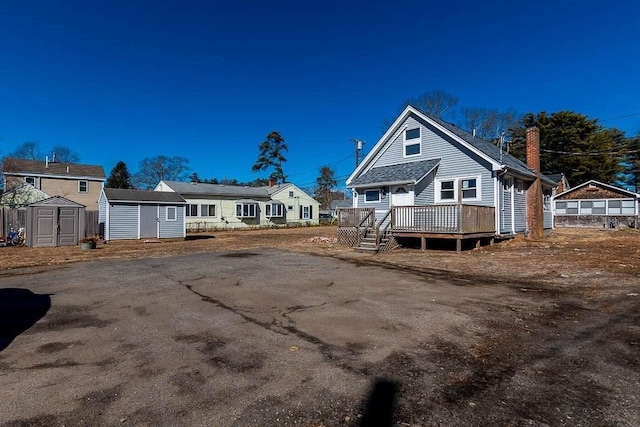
<point>469,188</point>
<point>246,210</point>
<point>83,186</point>
<point>448,190</point>
<point>412,146</point>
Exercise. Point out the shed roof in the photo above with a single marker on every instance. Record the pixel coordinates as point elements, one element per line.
<point>129,195</point>
<point>37,167</point>
<point>402,173</point>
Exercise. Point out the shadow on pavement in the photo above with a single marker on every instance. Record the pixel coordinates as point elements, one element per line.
<point>20,309</point>
<point>380,405</point>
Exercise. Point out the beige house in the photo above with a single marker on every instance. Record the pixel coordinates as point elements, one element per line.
<point>218,206</point>
<point>76,182</point>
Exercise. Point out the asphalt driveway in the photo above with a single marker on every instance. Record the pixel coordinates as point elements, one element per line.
<point>269,337</point>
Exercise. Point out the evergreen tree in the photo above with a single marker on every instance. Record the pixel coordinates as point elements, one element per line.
<point>119,176</point>
<point>271,156</point>
<point>630,176</point>
<point>572,144</point>
<point>326,183</point>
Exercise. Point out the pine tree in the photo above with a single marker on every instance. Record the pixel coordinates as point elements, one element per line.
<point>271,156</point>
<point>119,177</point>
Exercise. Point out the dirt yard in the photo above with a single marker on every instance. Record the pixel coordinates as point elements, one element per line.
<point>285,327</point>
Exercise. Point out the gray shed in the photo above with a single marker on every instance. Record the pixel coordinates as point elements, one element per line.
<point>141,214</point>
<point>55,221</point>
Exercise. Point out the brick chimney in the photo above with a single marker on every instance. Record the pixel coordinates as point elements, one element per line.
<point>535,213</point>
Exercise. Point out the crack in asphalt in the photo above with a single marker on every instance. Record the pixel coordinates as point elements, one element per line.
<point>333,354</point>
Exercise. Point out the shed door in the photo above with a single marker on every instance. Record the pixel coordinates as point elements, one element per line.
<point>148,221</point>
<point>45,228</point>
<point>68,219</point>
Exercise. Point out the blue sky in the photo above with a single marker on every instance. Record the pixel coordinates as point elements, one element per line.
<point>208,80</point>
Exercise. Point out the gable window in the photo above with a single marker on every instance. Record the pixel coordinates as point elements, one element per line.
<point>30,180</point>
<point>83,186</point>
<point>191,210</point>
<point>274,209</point>
<point>246,210</point>
<point>372,196</point>
<point>207,210</point>
<point>172,213</point>
<point>412,146</point>
<point>291,194</point>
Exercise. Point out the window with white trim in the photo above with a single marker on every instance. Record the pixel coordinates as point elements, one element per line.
<point>372,196</point>
<point>172,213</point>
<point>207,210</point>
<point>246,210</point>
<point>191,210</point>
<point>569,207</point>
<point>448,190</point>
<point>83,186</point>
<point>306,212</point>
<point>469,188</point>
<point>30,180</point>
<point>291,194</point>
<point>506,184</point>
<point>412,142</point>
<point>519,186</point>
<point>274,210</point>
<point>621,207</point>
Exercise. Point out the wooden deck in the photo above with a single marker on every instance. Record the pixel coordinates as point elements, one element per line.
<point>459,222</point>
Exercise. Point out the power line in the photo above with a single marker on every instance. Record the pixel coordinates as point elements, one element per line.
<point>621,117</point>
<point>317,168</point>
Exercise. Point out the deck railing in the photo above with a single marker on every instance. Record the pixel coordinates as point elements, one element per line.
<point>459,219</point>
<point>356,217</point>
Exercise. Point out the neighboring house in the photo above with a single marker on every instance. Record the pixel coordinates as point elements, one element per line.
<point>218,206</point>
<point>595,204</point>
<point>76,182</point>
<point>428,178</point>
<point>562,184</point>
<point>141,214</point>
<point>338,204</point>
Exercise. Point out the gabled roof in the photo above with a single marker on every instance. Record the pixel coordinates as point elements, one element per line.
<point>346,203</point>
<point>595,183</point>
<point>58,201</point>
<point>221,190</point>
<point>486,150</point>
<point>128,195</point>
<point>24,167</point>
<point>403,173</point>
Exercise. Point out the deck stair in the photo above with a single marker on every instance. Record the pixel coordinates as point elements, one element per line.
<point>368,242</point>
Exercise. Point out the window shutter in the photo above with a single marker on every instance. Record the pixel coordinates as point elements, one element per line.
<point>310,211</point>
<point>300,211</point>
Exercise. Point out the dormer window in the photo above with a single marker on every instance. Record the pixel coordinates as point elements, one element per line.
<point>412,142</point>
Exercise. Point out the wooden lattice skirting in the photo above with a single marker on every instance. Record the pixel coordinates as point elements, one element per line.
<point>348,237</point>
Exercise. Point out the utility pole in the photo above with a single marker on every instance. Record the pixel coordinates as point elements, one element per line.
<point>358,145</point>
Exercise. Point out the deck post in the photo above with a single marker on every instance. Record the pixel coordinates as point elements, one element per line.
<point>458,245</point>
<point>477,243</point>
<point>423,243</point>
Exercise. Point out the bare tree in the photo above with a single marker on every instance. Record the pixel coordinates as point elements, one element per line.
<point>487,123</point>
<point>27,150</point>
<point>64,154</point>
<point>435,102</point>
<point>155,169</point>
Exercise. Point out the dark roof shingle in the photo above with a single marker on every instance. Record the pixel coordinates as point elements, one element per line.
<point>401,173</point>
<point>37,167</point>
<point>128,195</point>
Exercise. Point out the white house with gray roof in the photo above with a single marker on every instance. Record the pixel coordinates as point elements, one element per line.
<point>219,206</point>
<point>422,161</point>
